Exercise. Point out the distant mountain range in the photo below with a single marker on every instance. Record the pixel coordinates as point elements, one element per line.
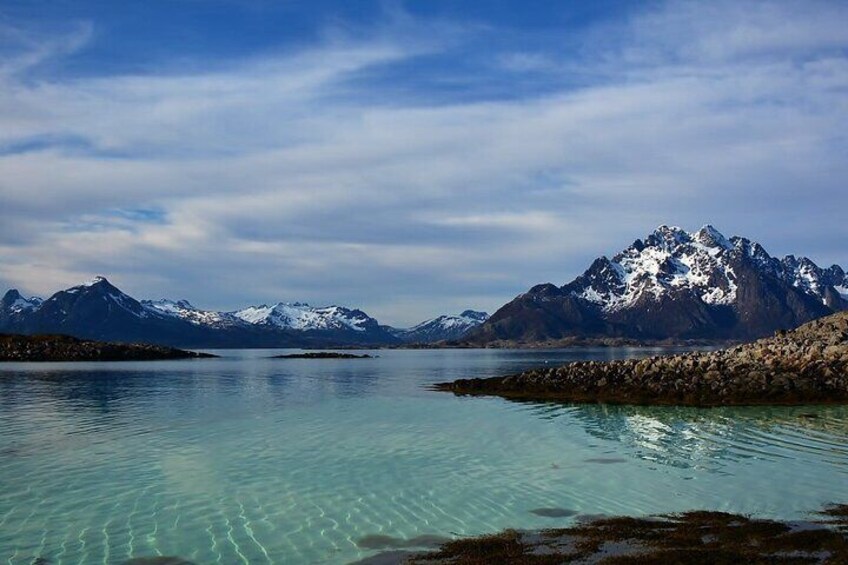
<point>671,285</point>
<point>443,328</point>
<point>675,284</point>
<point>99,310</point>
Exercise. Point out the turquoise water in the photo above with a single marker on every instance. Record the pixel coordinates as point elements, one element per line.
<point>245,459</point>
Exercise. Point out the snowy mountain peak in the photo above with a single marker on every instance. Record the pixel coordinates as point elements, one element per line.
<point>667,237</point>
<point>670,261</point>
<point>184,310</point>
<point>98,294</point>
<point>675,284</point>
<point>97,284</point>
<point>474,315</point>
<point>95,281</point>
<point>14,303</point>
<point>708,236</point>
<point>300,316</point>
<point>167,304</point>
<point>443,328</point>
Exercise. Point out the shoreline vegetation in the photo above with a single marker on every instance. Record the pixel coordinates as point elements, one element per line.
<point>49,348</point>
<point>803,366</point>
<point>700,536</point>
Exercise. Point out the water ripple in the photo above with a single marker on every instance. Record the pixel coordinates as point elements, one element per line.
<point>242,460</point>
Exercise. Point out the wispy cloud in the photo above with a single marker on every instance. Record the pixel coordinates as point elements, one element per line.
<point>294,175</point>
<point>24,49</point>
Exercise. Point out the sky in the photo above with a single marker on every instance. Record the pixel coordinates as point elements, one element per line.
<point>410,158</point>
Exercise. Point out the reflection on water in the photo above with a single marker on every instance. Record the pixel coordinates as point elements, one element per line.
<point>711,438</point>
<point>249,459</point>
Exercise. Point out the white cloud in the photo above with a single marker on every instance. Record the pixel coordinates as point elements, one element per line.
<point>291,177</point>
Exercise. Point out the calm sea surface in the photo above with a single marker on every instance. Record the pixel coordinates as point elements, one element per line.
<point>246,459</point>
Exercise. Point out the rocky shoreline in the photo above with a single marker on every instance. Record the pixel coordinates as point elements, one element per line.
<point>802,366</point>
<point>14,347</point>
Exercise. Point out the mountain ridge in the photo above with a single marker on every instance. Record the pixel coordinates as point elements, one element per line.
<point>442,328</point>
<point>674,284</point>
<point>671,285</point>
<point>98,310</point>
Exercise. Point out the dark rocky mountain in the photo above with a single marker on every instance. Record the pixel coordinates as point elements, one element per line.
<point>98,310</point>
<point>678,285</point>
<point>443,328</point>
<point>14,307</point>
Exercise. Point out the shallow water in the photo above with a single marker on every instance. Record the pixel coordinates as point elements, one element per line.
<point>245,459</point>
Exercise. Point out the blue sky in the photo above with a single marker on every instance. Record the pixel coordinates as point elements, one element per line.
<point>408,158</point>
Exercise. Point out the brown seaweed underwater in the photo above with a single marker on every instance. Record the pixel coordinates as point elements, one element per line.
<point>695,537</point>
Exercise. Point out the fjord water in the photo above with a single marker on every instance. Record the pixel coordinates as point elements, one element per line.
<point>246,459</point>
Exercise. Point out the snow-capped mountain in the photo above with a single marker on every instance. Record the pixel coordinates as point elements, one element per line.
<point>443,328</point>
<point>14,303</point>
<point>14,307</point>
<point>94,309</point>
<point>346,325</point>
<point>99,310</point>
<point>300,316</point>
<point>669,260</point>
<point>183,310</point>
<point>676,284</point>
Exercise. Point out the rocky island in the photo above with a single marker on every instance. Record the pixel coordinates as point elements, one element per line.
<point>322,355</point>
<point>14,347</point>
<point>805,365</point>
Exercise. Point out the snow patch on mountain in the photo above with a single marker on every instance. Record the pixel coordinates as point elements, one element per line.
<point>94,281</point>
<point>671,260</point>
<point>22,304</point>
<point>443,328</point>
<point>300,316</point>
<point>127,303</point>
<point>803,274</point>
<point>184,310</point>
<point>468,319</point>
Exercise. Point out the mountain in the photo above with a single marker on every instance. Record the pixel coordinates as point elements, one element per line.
<point>98,310</point>
<point>183,310</point>
<point>15,303</point>
<point>443,328</point>
<point>335,322</point>
<point>14,307</point>
<point>675,284</point>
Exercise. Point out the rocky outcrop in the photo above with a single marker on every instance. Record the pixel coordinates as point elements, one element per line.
<point>805,365</point>
<point>67,348</point>
<point>323,355</point>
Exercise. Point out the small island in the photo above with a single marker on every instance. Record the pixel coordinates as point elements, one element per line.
<point>34,348</point>
<point>323,355</point>
<point>803,366</point>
